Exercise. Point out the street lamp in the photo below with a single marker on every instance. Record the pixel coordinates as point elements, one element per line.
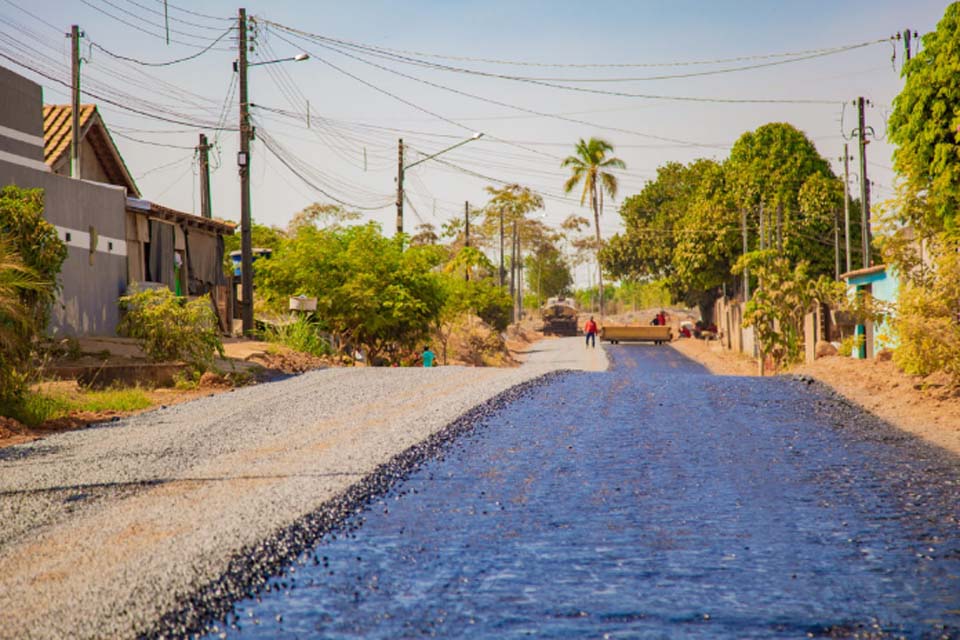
<point>243,163</point>
<point>401,169</point>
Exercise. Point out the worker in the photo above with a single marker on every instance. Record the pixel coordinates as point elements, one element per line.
<point>590,329</point>
<point>428,356</point>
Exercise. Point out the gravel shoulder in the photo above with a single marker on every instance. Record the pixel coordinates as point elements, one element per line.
<point>104,530</point>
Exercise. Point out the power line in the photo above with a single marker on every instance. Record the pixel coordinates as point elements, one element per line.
<point>489,100</point>
<point>175,19</point>
<point>546,81</point>
<point>168,62</point>
<point>579,65</point>
<point>151,143</point>
<point>141,29</point>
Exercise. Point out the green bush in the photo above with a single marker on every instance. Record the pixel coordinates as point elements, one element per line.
<point>169,328</point>
<point>301,335</point>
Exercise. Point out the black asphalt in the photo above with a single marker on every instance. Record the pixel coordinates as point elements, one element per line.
<point>651,500</point>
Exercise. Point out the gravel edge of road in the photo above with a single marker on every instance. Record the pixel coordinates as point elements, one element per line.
<point>250,568</point>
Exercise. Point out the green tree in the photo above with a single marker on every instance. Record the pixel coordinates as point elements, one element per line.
<point>370,292</point>
<point>681,229</point>
<point>18,282</point>
<point>766,171</point>
<point>36,242</point>
<point>321,215</point>
<point>548,273</point>
<point>590,165</point>
<point>925,126</point>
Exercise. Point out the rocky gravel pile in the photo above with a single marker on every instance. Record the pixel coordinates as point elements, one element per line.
<point>148,525</point>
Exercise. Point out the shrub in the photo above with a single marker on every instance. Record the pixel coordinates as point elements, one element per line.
<point>169,328</point>
<point>302,335</point>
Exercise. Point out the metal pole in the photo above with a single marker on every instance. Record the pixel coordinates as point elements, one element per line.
<point>400,188</point>
<point>246,241</point>
<point>846,203</point>
<point>205,205</point>
<point>864,184</point>
<point>75,101</point>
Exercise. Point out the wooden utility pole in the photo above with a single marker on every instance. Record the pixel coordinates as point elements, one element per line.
<point>864,183</point>
<point>836,246</point>
<point>466,232</point>
<point>203,150</point>
<point>75,101</point>
<point>400,187</point>
<point>503,272</point>
<point>513,270</point>
<point>746,271</point>
<point>243,161</point>
<point>846,203</point>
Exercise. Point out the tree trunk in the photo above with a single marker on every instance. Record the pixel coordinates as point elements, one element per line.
<point>596,224</point>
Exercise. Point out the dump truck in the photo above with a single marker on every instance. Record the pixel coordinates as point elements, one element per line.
<point>559,317</point>
<point>616,333</point>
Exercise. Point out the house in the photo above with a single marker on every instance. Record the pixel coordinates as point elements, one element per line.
<point>881,282</point>
<point>115,239</point>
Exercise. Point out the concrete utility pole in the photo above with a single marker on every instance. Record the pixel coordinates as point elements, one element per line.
<point>864,183</point>
<point>846,203</point>
<point>513,270</point>
<point>400,187</point>
<point>243,162</point>
<point>906,43</point>
<point>75,35</point>
<point>203,150</point>
<point>780,228</point>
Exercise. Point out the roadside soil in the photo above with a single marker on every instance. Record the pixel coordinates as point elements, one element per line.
<point>928,408</point>
<point>244,362</point>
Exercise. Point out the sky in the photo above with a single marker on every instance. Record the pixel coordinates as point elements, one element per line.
<point>366,85</point>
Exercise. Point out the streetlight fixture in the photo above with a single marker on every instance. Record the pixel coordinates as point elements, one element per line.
<point>401,169</point>
<point>243,164</point>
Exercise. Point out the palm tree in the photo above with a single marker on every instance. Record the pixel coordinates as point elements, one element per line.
<point>590,165</point>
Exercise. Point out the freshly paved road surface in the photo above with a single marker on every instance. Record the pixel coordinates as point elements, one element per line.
<point>649,501</point>
<point>103,530</point>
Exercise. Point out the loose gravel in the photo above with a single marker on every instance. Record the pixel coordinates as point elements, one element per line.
<point>149,525</point>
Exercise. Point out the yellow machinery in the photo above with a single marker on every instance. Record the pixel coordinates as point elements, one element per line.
<point>615,333</point>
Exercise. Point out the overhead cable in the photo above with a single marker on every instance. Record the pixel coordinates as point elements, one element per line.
<point>168,62</point>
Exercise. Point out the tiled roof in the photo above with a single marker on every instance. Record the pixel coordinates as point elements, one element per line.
<point>57,129</point>
<point>57,138</point>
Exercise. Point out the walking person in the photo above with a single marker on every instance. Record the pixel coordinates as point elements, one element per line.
<point>428,356</point>
<point>590,329</point>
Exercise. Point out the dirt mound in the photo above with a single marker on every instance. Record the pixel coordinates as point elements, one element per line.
<point>10,428</point>
<point>211,380</point>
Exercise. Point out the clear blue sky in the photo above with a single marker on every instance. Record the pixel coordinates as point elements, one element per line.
<point>354,158</point>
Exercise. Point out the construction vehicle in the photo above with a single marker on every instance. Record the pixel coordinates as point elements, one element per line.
<point>559,317</point>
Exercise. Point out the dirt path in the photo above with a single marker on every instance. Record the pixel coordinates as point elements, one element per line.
<point>925,408</point>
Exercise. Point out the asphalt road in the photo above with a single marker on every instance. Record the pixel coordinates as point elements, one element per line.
<point>652,500</point>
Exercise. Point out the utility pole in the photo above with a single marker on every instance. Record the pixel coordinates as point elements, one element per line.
<point>846,203</point>
<point>400,187</point>
<point>780,228</point>
<point>75,35</point>
<point>466,231</point>
<point>746,271</point>
<point>836,246</point>
<point>503,271</point>
<point>243,162</point>
<point>513,270</point>
<point>763,232</point>
<point>203,151</point>
<point>906,43</point>
<point>864,183</point>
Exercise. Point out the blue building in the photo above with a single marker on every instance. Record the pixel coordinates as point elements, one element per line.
<point>882,283</point>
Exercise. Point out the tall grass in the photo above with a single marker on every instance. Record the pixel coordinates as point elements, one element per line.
<point>40,406</point>
<point>300,335</point>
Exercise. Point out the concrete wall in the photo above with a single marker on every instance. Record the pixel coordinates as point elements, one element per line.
<point>95,272</point>
<point>21,121</point>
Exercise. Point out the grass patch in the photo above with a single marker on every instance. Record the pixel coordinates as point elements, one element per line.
<point>300,335</point>
<point>40,406</point>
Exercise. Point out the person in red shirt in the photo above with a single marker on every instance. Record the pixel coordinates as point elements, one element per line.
<point>590,328</point>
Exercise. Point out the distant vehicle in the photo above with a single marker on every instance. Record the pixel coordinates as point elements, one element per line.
<point>559,317</point>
